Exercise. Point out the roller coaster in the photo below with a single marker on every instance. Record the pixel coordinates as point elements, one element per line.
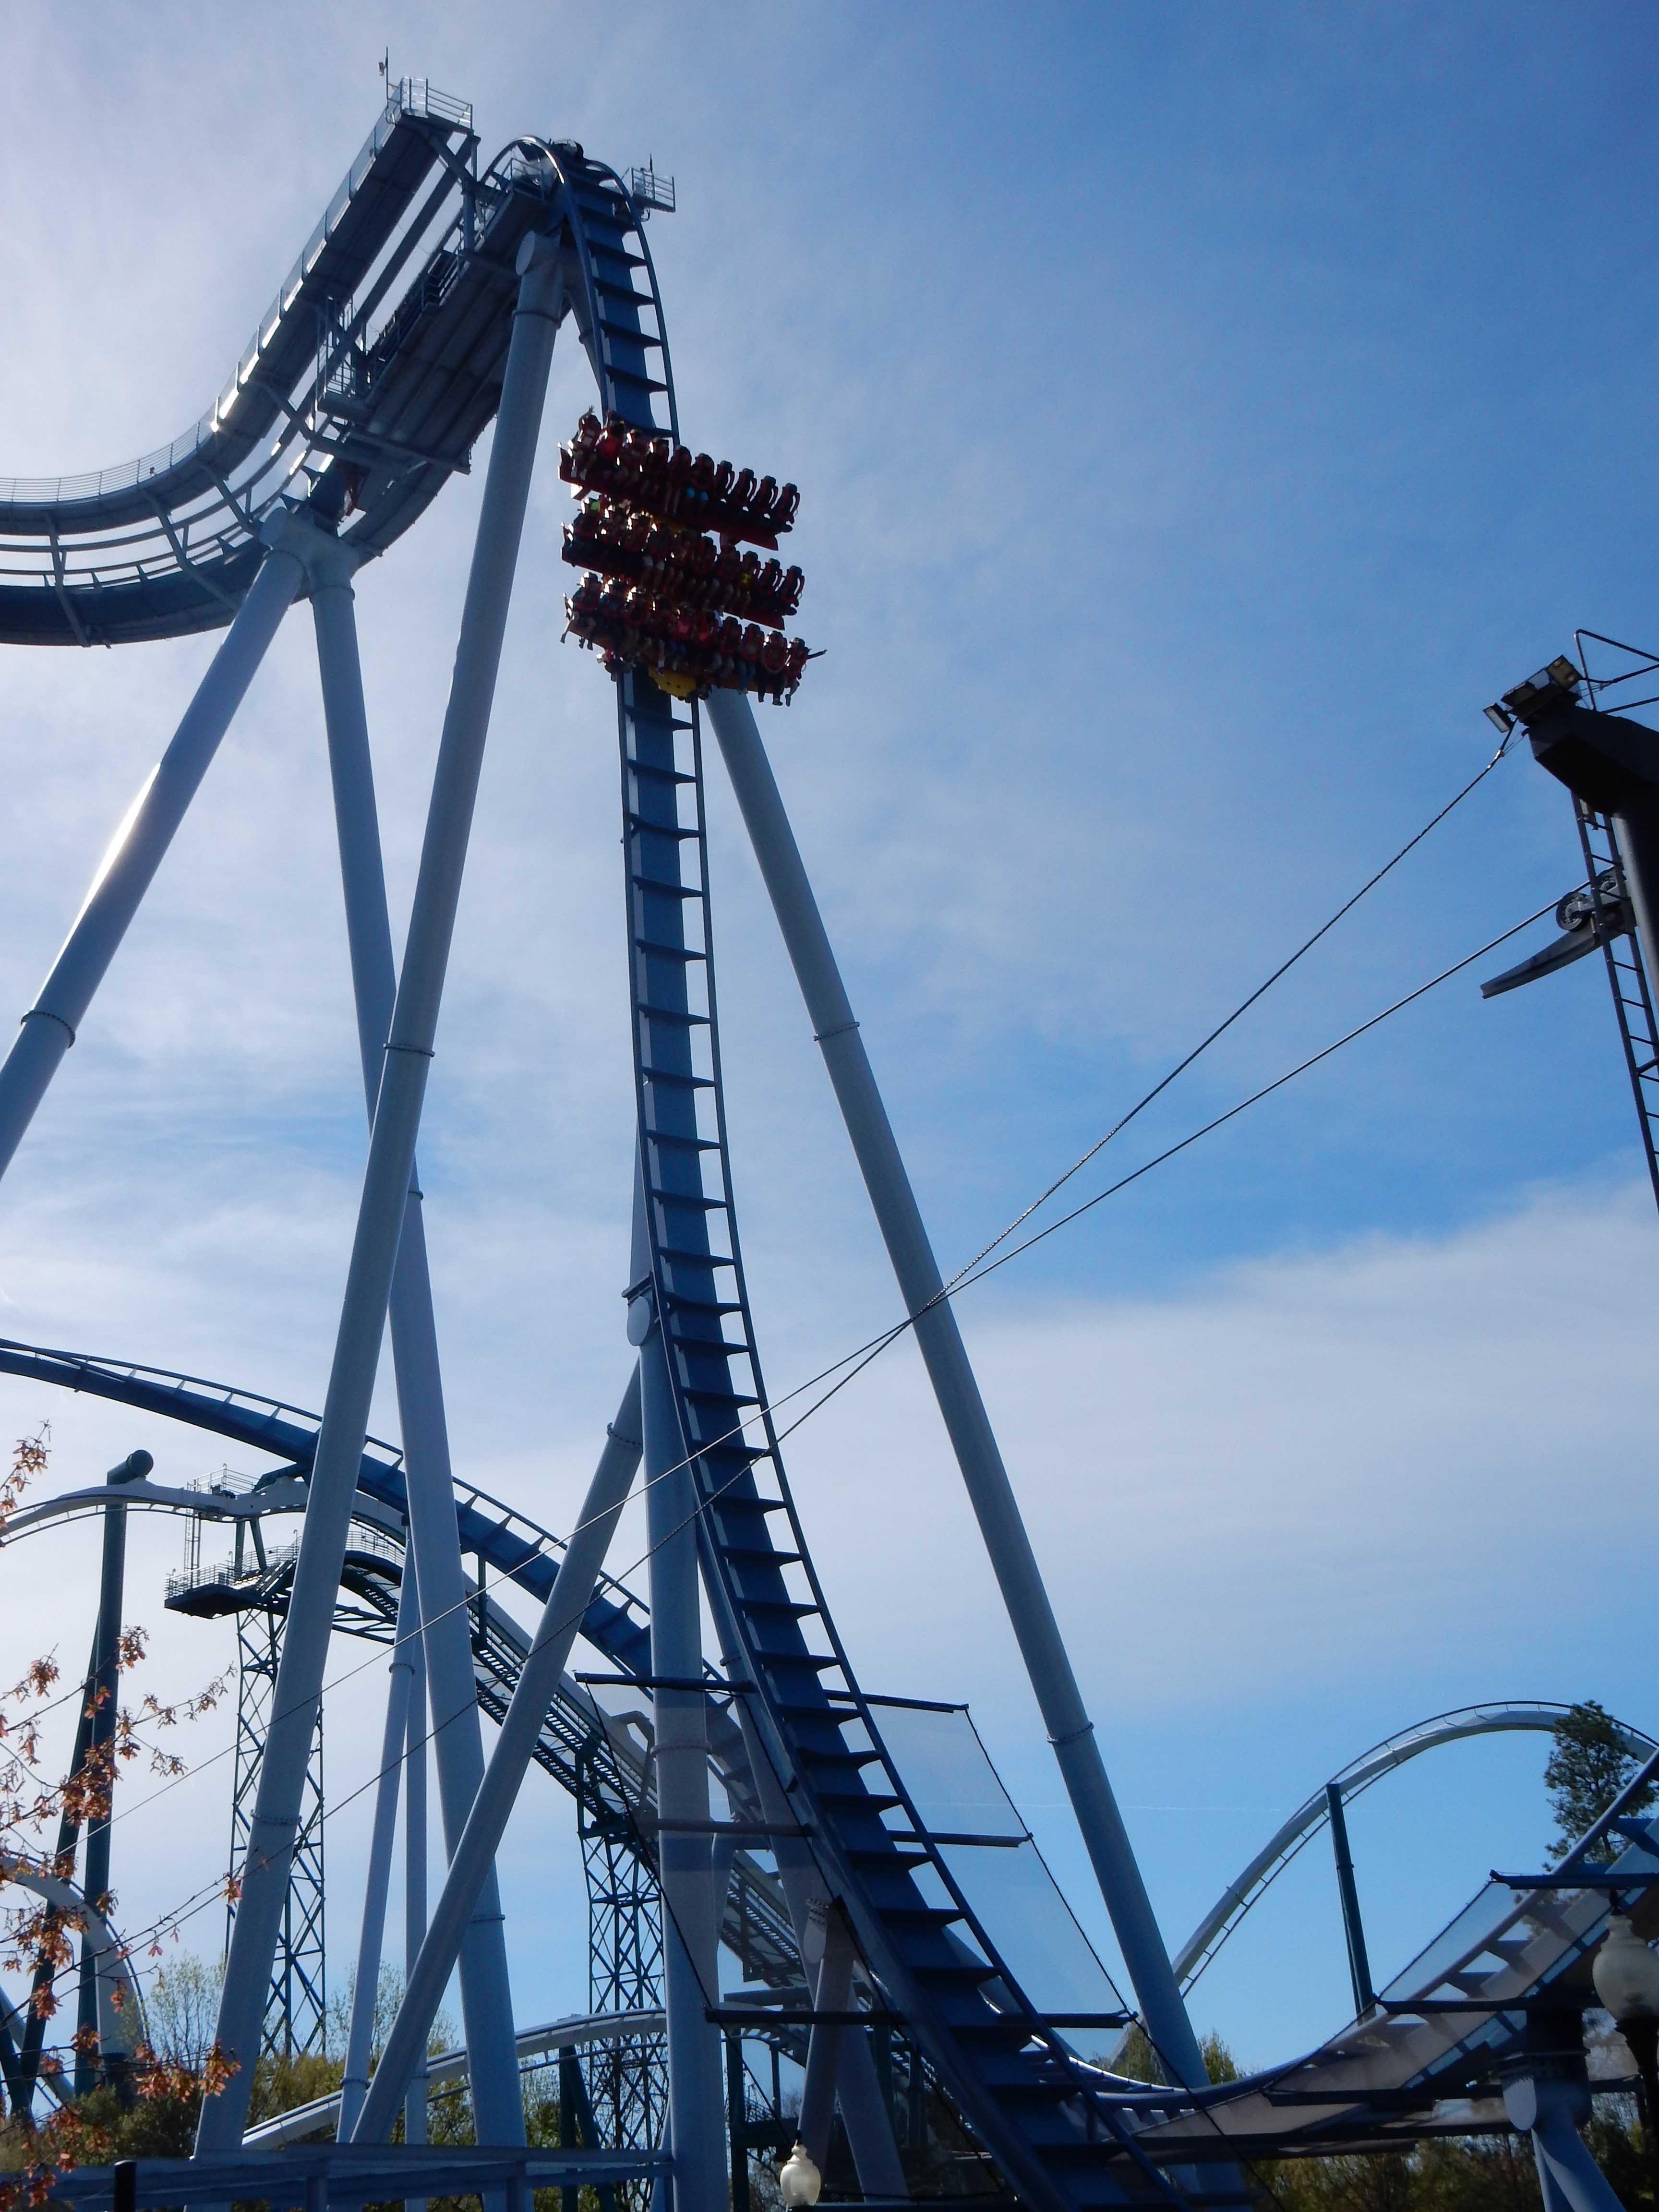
<point>899,1941</point>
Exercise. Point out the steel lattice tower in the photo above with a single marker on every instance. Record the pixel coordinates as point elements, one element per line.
<point>296,2011</point>
<point>627,2080</point>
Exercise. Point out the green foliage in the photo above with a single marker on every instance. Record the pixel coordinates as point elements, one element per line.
<point>388,1996</point>
<point>181,2008</point>
<point>1136,2060</point>
<point>1483,2173</point>
<point>1617,2144</point>
<point>1587,1767</point>
<point>1219,2062</point>
<point>282,2085</point>
<point>1472,2174</point>
<point>1138,2064</point>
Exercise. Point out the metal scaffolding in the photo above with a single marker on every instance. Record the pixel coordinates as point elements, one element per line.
<point>628,2079</point>
<point>296,2010</point>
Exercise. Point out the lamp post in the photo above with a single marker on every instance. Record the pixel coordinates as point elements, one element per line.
<point>799,2180</point>
<point>1626,1976</point>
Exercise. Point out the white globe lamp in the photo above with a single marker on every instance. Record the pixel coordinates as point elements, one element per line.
<point>799,2179</point>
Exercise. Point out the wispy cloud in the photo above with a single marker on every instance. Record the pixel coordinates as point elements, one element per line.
<point>1175,491</point>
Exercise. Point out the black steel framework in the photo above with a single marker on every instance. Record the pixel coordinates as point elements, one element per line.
<point>1604,867</point>
<point>296,2012</point>
<point>628,2079</point>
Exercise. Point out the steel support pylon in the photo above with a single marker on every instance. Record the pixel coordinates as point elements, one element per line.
<point>366,1985</point>
<point>296,2009</point>
<point>474,1856</point>
<point>1036,1632</point>
<point>497,2105</point>
<point>140,845</point>
<point>690,1936</point>
<point>435,1550</point>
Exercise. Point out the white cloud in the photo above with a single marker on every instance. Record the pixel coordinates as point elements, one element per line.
<point>1416,1444</point>
<point>1116,705</point>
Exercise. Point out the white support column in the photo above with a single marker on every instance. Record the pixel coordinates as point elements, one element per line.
<point>140,845</point>
<point>1047,1663</point>
<point>394,1738</point>
<point>435,1543</point>
<point>857,2086</point>
<point>497,2106</point>
<point>515,1747</point>
<point>414,1889</point>
<point>832,1992</point>
<point>1552,2107</point>
<point>690,1937</point>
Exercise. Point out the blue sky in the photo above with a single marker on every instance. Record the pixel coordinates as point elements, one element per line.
<point>1200,411</point>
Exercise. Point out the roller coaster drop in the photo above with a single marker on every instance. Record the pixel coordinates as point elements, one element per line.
<point>916,1970</point>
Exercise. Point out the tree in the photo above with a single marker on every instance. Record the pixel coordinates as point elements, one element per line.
<point>152,2108</point>
<point>1137,2063</point>
<point>181,2009</point>
<point>1589,1765</point>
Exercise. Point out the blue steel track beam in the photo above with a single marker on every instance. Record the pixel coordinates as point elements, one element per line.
<point>475,1854</point>
<point>1071,1731</point>
<point>354,2082</point>
<point>140,845</point>
<point>435,1541</point>
<point>1246,1886</point>
<point>866,2112</point>
<point>497,2106</point>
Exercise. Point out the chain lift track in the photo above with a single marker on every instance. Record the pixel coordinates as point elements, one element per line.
<point>1010,2071</point>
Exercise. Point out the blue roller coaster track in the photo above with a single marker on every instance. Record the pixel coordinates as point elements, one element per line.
<point>349,409</point>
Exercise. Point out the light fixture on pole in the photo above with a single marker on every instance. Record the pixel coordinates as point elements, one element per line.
<point>799,2180</point>
<point>1626,1976</point>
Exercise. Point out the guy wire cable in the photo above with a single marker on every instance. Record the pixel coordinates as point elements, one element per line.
<point>1242,1008</point>
<point>872,1349</point>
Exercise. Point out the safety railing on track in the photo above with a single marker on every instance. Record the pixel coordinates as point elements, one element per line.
<point>412,97</point>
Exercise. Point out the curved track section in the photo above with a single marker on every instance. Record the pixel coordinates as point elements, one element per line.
<point>120,2007</point>
<point>589,1752</point>
<point>1430,2059</point>
<point>577,2032</point>
<point>1286,1841</point>
<point>363,389</point>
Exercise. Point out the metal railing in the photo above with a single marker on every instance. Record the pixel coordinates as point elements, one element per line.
<point>411,96</point>
<point>227,1574</point>
<point>417,95</point>
<point>647,190</point>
